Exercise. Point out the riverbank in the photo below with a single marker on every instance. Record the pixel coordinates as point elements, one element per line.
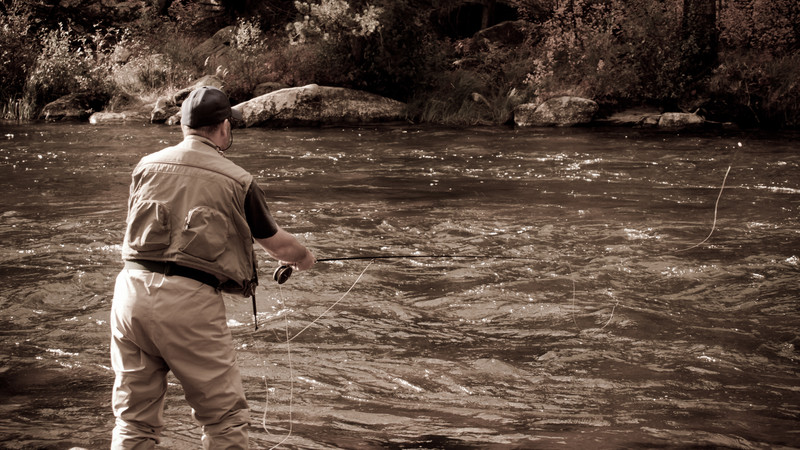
<point>641,55</point>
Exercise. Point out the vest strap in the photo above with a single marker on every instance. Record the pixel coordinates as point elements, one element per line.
<point>170,268</point>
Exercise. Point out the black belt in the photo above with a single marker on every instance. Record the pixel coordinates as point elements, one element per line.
<point>170,268</point>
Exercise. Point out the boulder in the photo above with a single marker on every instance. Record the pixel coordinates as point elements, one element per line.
<point>319,105</point>
<point>266,88</point>
<point>101,118</point>
<point>680,120</point>
<point>633,117</point>
<point>73,107</point>
<point>217,45</point>
<point>559,112</point>
<point>164,108</point>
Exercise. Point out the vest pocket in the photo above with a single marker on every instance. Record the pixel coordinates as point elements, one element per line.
<point>205,234</point>
<point>148,226</point>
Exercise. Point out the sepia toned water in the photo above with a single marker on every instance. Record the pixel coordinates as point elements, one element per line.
<point>592,319</point>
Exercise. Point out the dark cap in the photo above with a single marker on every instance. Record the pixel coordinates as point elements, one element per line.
<point>205,106</point>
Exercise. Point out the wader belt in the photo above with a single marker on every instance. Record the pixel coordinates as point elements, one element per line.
<point>170,268</point>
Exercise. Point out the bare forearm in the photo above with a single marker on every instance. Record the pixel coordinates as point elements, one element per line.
<point>284,247</point>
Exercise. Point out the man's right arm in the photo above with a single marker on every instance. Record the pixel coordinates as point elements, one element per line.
<point>284,247</point>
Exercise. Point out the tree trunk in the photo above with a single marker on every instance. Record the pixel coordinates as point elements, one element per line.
<point>163,6</point>
<point>700,34</point>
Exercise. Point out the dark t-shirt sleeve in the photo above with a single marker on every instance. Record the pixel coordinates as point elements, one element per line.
<point>261,223</point>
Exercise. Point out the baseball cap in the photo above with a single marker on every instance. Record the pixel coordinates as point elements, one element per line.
<point>205,106</point>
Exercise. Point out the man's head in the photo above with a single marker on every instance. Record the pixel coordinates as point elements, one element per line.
<point>207,106</point>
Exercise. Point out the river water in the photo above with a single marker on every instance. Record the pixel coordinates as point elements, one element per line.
<point>591,319</point>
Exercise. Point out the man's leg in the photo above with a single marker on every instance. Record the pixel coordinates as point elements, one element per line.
<point>199,350</point>
<point>141,377</point>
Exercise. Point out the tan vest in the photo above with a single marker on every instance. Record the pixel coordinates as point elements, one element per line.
<point>186,205</point>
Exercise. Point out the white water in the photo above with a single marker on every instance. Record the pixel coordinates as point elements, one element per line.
<point>600,335</point>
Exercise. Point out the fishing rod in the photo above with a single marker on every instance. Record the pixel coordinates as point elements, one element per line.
<point>282,273</point>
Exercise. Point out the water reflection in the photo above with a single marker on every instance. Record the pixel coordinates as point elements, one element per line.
<point>601,334</point>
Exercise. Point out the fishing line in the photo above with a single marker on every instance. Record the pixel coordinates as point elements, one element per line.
<point>714,223</point>
<point>713,227</point>
<point>291,379</point>
<point>332,306</point>
<point>289,358</point>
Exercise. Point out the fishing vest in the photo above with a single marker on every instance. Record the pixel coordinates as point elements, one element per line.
<point>186,206</point>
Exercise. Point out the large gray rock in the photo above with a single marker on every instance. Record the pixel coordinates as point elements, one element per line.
<point>111,118</point>
<point>556,112</point>
<point>219,44</point>
<point>680,120</point>
<point>319,105</point>
<point>73,107</point>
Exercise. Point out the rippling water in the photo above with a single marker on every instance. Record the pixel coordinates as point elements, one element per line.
<point>592,319</point>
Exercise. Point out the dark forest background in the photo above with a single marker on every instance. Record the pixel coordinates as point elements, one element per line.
<point>453,62</point>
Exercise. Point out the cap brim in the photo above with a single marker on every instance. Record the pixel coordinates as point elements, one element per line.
<point>236,114</point>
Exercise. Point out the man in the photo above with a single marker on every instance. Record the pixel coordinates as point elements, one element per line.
<point>192,218</point>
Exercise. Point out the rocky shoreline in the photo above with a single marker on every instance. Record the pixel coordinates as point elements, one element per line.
<point>315,105</point>
<point>275,105</point>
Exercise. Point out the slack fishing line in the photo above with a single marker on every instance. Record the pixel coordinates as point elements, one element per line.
<point>289,359</point>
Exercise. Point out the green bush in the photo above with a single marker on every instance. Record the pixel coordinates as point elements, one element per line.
<point>764,83</point>
<point>248,60</point>
<point>17,57</point>
<point>620,50</point>
<point>384,48</point>
<point>65,64</point>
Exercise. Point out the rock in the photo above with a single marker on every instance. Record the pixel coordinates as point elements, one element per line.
<point>509,33</point>
<point>318,105</point>
<point>266,88</point>
<point>680,120</point>
<point>73,107</point>
<point>207,80</point>
<point>101,118</point>
<point>560,112</point>
<point>634,117</point>
<point>121,55</point>
<point>164,109</point>
<point>217,45</point>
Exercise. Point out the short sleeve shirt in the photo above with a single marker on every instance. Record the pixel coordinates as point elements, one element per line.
<point>262,224</point>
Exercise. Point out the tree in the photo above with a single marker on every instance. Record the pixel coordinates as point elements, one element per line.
<point>700,35</point>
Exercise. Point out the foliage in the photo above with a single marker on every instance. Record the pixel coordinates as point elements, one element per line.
<point>385,48</point>
<point>620,49</point>
<point>17,57</point>
<point>764,25</point>
<point>617,52</point>
<point>248,61</point>
<point>764,83</point>
<point>65,64</point>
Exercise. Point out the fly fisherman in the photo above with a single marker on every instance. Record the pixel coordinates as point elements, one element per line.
<point>192,218</point>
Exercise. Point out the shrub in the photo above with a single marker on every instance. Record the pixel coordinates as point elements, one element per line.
<point>764,83</point>
<point>17,57</point>
<point>66,64</point>
<point>248,60</point>
<point>765,25</point>
<point>621,49</point>
<point>383,48</point>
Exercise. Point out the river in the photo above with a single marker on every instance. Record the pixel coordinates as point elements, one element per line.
<point>598,288</point>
